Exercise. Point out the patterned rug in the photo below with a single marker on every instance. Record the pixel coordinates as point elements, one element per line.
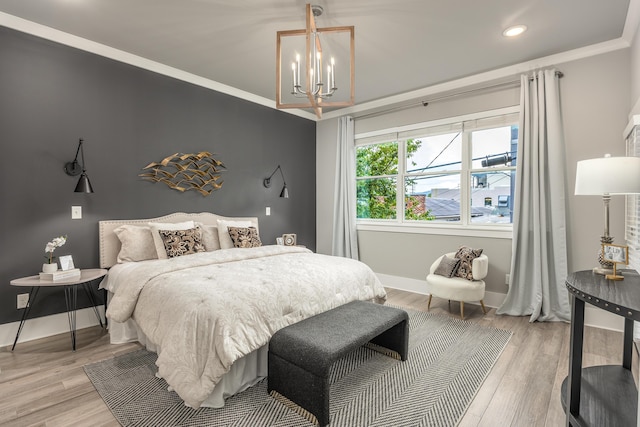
<point>448,361</point>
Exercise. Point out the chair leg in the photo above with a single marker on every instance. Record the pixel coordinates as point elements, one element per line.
<point>462,309</point>
<point>429,303</point>
<point>484,310</point>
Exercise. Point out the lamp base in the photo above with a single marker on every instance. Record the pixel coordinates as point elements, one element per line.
<point>613,277</point>
<point>602,271</point>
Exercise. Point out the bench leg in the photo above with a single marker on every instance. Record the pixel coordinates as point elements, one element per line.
<point>395,338</point>
<point>305,389</point>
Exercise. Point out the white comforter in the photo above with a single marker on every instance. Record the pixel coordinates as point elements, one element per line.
<point>207,310</point>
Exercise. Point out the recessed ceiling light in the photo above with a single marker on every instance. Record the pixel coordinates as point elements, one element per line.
<point>516,30</point>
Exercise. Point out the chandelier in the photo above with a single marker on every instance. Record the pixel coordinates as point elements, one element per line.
<point>312,87</point>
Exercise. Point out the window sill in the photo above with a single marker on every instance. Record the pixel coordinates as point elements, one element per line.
<point>488,231</point>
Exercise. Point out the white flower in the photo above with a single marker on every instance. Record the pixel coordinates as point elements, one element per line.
<point>52,245</point>
<point>55,243</point>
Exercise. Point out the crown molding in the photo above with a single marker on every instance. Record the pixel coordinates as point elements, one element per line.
<point>632,22</point>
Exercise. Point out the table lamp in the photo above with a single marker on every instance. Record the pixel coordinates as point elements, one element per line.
<point>607,176</point>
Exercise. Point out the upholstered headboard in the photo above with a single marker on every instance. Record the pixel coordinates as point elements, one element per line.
<point>110,244</point>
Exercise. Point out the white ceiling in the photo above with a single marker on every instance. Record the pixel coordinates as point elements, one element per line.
<point>401,45</point>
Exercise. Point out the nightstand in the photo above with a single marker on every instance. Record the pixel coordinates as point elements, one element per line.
<point>601,395</point>
<point>70,296</point>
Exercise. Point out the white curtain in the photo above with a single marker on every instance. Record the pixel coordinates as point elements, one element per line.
<point>345,239</point>
<point>539,261</point>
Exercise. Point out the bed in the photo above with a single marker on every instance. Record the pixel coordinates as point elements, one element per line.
<point>209,312</point>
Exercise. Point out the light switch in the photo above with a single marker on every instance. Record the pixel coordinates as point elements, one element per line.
<point>76,212</point>
<point>268,211</point>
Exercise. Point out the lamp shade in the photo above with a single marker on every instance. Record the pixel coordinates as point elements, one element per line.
<point>84,185</point>
<point>608,175</point>
<point>285,192</point>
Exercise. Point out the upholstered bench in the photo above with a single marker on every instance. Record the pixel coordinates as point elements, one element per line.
<point>300,355</point>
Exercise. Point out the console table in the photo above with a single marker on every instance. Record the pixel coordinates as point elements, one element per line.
<point>601,395</point>
<point>70,296</point>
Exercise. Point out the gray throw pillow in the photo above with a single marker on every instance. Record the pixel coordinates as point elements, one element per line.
<point>447,266</point>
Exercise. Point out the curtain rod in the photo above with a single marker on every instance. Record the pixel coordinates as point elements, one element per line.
<point>511,83</point>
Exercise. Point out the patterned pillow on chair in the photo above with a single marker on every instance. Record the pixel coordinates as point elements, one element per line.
<point>466,255</point>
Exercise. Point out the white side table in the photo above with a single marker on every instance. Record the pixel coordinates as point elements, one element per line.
<point>70,296</point>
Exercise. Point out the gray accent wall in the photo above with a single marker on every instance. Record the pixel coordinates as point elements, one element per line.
<point>52,95</point>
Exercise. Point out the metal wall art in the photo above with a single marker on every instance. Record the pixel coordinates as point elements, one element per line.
<point>182,172</point>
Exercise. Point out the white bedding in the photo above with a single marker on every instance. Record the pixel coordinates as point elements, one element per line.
<point>207,310</point>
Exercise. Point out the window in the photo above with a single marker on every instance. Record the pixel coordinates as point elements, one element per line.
<point>459,172</point>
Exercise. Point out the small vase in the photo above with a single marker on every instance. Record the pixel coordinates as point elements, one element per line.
<point>50,268</point>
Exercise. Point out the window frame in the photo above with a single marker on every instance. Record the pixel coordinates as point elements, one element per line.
<point>464,227</point>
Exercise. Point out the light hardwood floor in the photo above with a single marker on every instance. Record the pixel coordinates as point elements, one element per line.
<point>42,382</point>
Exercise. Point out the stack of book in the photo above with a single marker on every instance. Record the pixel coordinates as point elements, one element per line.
<point>59,275</point>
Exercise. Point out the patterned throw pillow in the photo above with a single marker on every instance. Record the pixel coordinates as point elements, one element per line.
<point>244,237</point>
<point>466,255</point>
<point>181,242</point>
<point>447,267</point>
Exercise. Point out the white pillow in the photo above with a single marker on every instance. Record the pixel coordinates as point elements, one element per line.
<point>136,243</point>
<point>223,231</point>
<point>210,238</point>
<point>157,240</point>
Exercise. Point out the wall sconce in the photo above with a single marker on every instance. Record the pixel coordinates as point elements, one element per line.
<point>74,169</point>
<point>267,183</point>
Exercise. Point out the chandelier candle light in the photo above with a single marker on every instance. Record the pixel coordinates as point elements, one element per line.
<point>316,89</point>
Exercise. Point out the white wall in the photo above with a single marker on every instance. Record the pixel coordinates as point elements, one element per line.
<point>326,148</point>
<point>595,96</point>
<point>635,74</point>
<point>595,105</point>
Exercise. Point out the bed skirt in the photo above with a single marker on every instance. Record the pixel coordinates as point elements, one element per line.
<point>244,373</point>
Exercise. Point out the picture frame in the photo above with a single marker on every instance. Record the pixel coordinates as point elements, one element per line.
<point>66,262</point>
<point>289,239</point>
<point>279,241</point>
<point>617,254</point>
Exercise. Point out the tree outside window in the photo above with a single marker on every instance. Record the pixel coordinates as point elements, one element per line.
<point>376,187</point>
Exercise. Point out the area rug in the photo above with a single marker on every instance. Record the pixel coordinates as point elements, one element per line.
<point>448,361</point>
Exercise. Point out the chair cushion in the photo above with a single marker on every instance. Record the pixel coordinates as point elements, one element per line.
<point>447,266</point>
<point>466,255</point>
<point>455,288</point>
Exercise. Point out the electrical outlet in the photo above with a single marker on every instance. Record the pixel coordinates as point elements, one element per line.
<point>23,300</point>
<point>268,211</point>
<point>76,212</point>
<point>507,277</point>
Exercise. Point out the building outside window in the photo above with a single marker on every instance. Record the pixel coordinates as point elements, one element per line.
<point>459,172</point>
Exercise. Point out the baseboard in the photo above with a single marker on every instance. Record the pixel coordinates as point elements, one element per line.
<point>602,319</point>
<point>46,326</point>
<point>491,299</point>
<point>593,316</point>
